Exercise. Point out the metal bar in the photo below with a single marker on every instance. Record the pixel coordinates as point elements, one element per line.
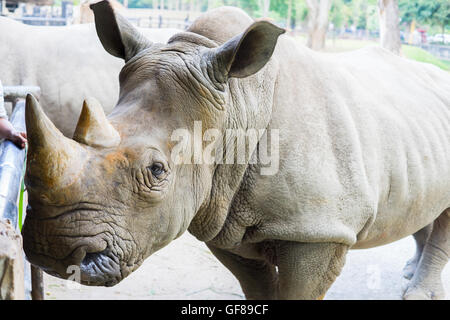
<point>11,168</point>
<point>11,93</point>
<point>41,19</point>
<point>2,101</point>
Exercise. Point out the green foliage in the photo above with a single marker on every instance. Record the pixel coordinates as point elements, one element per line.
<point>421,55</point>
<point>279,6</point>
<point>140,3</point>
<point>409,11</point>
<point>360,13</point>
<point>438,13</point>
<point>426,12</point>
<point>339,13</point>
<point>250,6</point>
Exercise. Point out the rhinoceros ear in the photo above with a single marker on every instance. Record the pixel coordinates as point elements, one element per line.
<point>117,35</point>
<point>247,53</point>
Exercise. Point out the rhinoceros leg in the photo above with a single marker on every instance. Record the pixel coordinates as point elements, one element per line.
<point>421,238</point>
<point>426,282</point>
<point>307,270</point>
<point>258,278</point>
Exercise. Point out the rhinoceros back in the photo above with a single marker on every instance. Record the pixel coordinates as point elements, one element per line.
<point>366,138</point>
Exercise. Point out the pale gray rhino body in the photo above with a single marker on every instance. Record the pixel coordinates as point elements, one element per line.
<point>364,160</point>
<point>67,63</point>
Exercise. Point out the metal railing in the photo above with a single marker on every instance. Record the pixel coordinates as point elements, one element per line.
<point>439,51</point>
<point>11,170</point>
<point>160,22</point>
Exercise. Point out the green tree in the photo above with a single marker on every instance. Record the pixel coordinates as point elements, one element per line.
<point>338,15</point>
<point>409,11</point>
<point>437,12</point>
<point>430,12</point>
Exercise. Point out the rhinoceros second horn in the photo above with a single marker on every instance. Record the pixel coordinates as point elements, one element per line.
<point>93,129</point>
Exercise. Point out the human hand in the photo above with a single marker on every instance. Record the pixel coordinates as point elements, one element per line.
<point>19,138</point>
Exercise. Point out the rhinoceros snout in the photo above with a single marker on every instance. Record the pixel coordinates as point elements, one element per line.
<point>100,268</point>
<point>84,259</point>
<point>87,268</point>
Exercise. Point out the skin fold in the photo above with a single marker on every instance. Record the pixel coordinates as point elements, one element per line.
<point>364,147</point>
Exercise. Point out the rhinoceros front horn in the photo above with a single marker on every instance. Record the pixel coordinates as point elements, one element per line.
<point>53,160</point>
<point>93,129</point>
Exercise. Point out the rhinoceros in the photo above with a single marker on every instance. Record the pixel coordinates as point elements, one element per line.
<point>362,158</point>
<point>68,63</point>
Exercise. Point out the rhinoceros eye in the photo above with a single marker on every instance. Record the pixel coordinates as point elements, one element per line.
<point>156,169</point>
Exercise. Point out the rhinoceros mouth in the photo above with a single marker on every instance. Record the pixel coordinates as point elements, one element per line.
<point>98,265</point>
<point>100,269</point>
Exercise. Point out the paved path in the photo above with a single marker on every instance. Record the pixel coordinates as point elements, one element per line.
<point>187,270</point>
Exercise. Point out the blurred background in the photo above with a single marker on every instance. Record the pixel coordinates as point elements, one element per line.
<point>417,29</point>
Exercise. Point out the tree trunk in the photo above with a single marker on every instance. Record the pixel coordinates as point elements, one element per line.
<point>317,22</point>
<point>197,6</point>
<point>265,5</point>
<point>411,28</point>
<point>289,13</point>
<point>389,25</point>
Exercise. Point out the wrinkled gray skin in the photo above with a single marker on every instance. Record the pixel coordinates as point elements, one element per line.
<point>364,161</point>
<point>68,63</point>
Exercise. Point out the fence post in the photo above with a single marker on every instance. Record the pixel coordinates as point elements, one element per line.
<point>37,283</point>
<point>11,263</point>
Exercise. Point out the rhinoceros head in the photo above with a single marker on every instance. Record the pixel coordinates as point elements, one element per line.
<point>111,196</point>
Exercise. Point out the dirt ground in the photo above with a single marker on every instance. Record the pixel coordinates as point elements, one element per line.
<point>186,269</point>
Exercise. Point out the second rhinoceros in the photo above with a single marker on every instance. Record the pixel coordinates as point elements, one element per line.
<point>362,141</point>
<point>68,63</point>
